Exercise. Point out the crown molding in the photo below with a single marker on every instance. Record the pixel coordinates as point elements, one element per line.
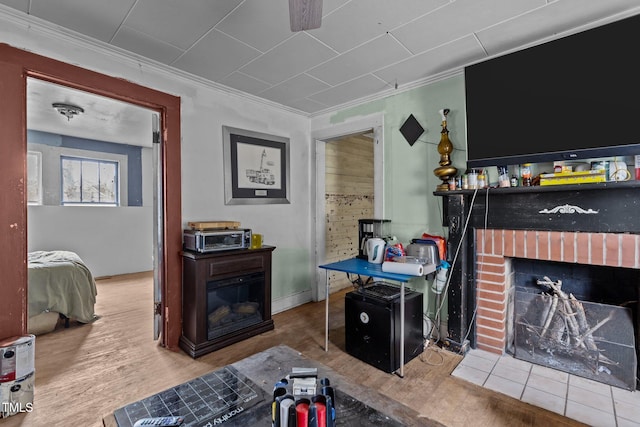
<point>64,35</point>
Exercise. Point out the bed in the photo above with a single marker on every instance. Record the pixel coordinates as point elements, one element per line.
<point>59,284</point>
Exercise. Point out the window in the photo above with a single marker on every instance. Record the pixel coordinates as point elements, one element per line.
<point>34,178</point>
<point>89,181</point>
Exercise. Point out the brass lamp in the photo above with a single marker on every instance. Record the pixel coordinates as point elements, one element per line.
<point>445,147</point>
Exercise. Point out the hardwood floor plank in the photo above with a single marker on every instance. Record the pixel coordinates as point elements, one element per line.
<point>85,372</point>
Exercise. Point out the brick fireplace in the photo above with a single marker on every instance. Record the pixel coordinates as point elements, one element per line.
<point>595,224</point>
<point>495,248</point>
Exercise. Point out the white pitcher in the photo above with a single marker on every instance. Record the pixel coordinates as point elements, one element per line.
<point>375,250</point>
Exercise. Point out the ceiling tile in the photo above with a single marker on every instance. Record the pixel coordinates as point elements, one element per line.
<point>298,87</point>
<point>557,16</point>
<point>329,6</point>
<point>145,45</point>
<point>361,50</point>
<point>459,19</point>
<point>21,5</point>
<point>307,105</point>
<point>204,58</point>
<point>354,89</point>
<point>361,20</point>
<point>430,63</point>
<point>244,83</point>
<point>361,60</point>
<point>176,22</point>
<point>296,55</point>
<point>270,29</point>
<point>99,20</point>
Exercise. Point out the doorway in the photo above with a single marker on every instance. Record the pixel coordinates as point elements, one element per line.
<point>15,67</point>
<point>373,125</point>
<point>349,196</point>
<point>90,182</point>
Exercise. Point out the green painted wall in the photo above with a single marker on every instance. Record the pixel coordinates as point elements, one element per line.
<point>409,181</point>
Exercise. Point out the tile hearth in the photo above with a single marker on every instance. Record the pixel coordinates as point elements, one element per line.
<point>575,397</point>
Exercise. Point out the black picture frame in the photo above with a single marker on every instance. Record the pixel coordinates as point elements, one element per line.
<point>256,167</point>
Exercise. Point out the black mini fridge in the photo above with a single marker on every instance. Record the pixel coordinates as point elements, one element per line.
<point>372,325</point>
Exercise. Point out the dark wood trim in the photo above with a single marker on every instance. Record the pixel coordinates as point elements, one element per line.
<point>15,66</point>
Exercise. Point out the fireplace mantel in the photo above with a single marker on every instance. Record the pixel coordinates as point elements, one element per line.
<point>611,207</point>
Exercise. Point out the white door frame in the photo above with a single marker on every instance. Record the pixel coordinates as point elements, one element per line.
<point>319,138</point>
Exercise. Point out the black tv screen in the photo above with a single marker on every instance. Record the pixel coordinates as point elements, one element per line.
<point>576,97</point>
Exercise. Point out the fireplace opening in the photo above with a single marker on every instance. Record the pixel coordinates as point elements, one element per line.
<point>234,304</point>
<point>578,318</point>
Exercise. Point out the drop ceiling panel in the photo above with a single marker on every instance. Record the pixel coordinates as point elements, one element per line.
<point>99,20</point>
<point>294,56</point>
<point>247,45</point>
<point>354,89</point>
<point>430,63</point>
<point>295,88</point>
<point>215,56</point>
<point>445,24</point>
<point>173,22</point>
<point>307,105</point>
<point>361,20</point>
<point>142,44</point>
<point>21,5</point>
<point>244,83</point>
<point>266,32</point>
<point>361,60</point>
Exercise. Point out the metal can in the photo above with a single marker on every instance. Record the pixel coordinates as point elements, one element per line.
<point>17,357</point>
<point>452,183</point>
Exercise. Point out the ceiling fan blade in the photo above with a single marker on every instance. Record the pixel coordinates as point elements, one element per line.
<point>305,14</point>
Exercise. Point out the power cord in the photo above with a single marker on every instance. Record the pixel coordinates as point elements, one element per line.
<point>475,308</point>
<point>453,262</point>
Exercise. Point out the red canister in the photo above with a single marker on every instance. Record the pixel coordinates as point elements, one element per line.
<point>302,412</point>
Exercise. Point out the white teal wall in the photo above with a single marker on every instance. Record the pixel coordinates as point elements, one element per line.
<point>205,109</point>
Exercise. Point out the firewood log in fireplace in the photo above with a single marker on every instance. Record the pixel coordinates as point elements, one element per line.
<point>562,325</point>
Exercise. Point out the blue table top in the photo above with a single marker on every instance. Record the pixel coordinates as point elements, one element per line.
<point>365,268</point>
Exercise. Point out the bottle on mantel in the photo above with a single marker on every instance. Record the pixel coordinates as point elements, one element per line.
<point>526,174</point>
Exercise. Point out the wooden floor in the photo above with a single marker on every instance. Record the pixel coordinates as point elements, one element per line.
<point>87,371</point>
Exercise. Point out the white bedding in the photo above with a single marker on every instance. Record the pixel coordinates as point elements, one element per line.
<point>60,282</point>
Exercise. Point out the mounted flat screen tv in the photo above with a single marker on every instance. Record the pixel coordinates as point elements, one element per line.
<point>576,97</point>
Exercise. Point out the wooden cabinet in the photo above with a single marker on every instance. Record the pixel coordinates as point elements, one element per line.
<point>226,298</point>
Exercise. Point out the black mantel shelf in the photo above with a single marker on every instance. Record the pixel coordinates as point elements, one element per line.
<point>608,207</point>
<point>547,188</point>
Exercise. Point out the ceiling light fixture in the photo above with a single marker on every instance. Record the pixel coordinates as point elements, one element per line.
<point>67,110</point>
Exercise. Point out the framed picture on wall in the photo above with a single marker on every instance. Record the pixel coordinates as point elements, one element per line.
<point>256,167</point>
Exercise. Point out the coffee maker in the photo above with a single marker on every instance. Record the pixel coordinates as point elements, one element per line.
<point>369,229</point>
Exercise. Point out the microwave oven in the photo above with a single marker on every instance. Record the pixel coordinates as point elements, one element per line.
<point>216,240</point>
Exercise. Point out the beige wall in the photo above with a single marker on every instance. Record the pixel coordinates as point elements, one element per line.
<point>348,198</point>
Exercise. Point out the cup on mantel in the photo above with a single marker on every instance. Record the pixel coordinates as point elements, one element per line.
<point>256,241</point>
